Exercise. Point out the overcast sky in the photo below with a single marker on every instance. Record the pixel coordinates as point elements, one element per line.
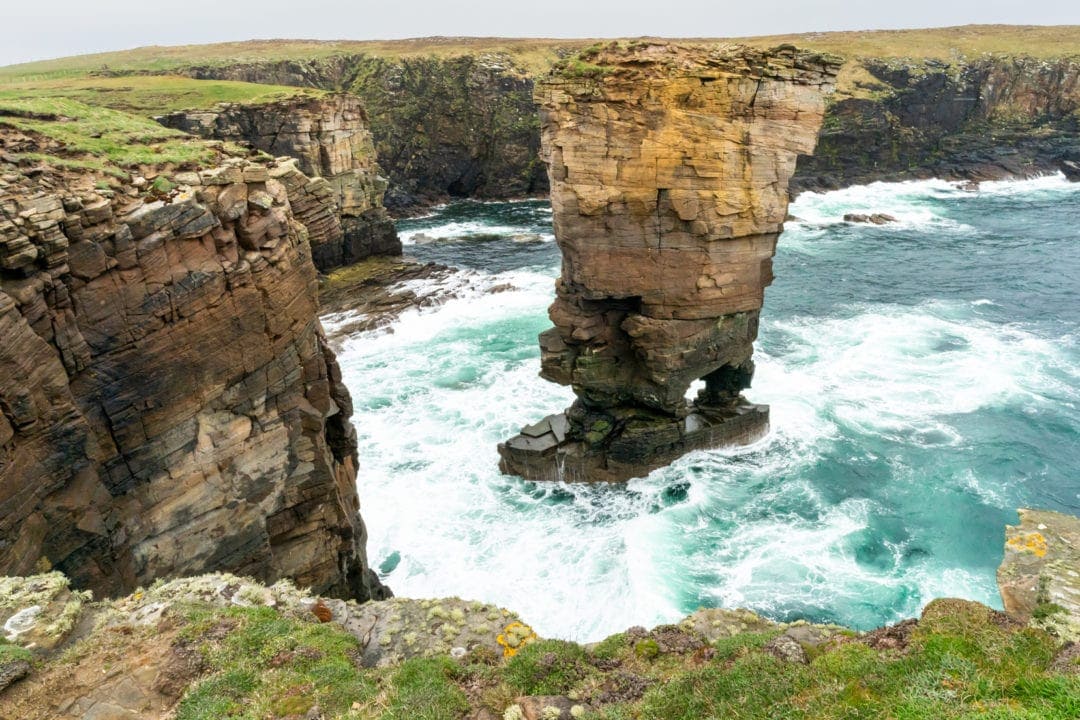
<point>39,29</point>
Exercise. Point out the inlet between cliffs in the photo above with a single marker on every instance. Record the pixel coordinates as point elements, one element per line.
<point>924,378</point>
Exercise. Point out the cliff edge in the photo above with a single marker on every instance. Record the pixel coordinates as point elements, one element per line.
<point>330,138</point>
<point>168,403</point>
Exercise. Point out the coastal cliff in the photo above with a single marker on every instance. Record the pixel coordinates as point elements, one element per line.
<point>330,139</point>
<point>464,124</point>
<point>169,403</point>
<point>981,119</point>
<point>669,168</point>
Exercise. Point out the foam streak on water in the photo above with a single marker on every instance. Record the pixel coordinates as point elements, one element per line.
<point>923,378</point>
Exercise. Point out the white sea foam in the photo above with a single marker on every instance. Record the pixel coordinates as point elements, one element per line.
<point>752,526</point>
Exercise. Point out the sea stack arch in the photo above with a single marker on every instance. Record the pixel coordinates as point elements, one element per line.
<point>669,167</point>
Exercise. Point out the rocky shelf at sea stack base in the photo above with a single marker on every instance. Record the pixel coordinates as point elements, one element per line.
<point>669,167</point>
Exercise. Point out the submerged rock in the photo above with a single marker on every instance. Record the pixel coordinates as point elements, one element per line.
<point>667,221</point>
<point>872,219</point>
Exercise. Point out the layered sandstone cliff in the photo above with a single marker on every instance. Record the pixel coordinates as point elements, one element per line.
<point>979,119</point>
<point>669,168</point>
<point>466,125</point>
<point>330,139</point>
<point>168,404</point>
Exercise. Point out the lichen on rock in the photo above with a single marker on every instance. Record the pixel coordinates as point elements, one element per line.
<point>1039,577</point>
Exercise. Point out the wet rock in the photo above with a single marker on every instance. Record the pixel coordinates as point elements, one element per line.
<point>872,219</point>
<point>667,227</point>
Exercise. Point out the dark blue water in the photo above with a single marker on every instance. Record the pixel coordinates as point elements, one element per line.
<point>924,379</point>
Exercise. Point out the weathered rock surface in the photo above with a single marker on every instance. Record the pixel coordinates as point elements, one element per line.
<point>147,675</point>
<point>372,294</point>
<point>168,402</point>
<point>330,139</point>
<point>466,125</point>
<point>461,126</point>
<point>669,168</point>
<point>980,118</point>
<point>1039,577</point>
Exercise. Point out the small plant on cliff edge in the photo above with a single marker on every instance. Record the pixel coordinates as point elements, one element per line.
<point>548,667</point>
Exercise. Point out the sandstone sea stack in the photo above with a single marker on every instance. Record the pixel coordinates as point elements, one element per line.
<point>669,168</point>
<point>168,402</point>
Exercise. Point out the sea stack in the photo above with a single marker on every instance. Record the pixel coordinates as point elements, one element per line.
<point>669,167</point>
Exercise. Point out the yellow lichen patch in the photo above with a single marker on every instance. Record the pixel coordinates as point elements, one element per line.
<point>515,636</point>
<point>1033,543</point>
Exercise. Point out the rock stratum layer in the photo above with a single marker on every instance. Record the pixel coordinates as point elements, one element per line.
<point>466,125</point>
<point>669,168</point>
<point>330,138</point>
<point>168,403</point>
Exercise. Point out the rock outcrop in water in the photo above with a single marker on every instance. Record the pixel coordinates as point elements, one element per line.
<point>330,139</point>
<point>168,403</point>
<point>669,168</point>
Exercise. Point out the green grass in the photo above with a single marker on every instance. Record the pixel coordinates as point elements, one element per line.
<point>152,95</point>
<point>536,55</point>
<point>548,667</point>
<point>960,664</point>
<point>12,653</point>
<point>268,665</point>
<point>963,661</point>
<point>97,138</point>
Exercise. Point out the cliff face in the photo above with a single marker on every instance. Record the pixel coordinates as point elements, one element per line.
<point>669,168</point>
<point>168,403</point>
<point>462,126</point>
<point>989,118</point>
<point>466,126</point>
<point>330,139</point>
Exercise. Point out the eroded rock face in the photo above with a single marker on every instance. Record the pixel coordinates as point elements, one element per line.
<point>1039,577</point>
<point>330,140</point>
<point>168,403</point>
<point>669,168</point>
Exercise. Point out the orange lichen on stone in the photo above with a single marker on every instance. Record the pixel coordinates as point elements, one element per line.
<point>514,637</point>
<point>1029,542</point>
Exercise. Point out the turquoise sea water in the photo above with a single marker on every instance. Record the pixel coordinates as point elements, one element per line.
<point>924,379</point>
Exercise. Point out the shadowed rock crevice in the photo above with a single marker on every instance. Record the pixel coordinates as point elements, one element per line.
<point>669,168</point>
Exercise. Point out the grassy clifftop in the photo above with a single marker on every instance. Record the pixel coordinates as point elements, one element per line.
<point>537,54</point>
<point>105,123</point>
<point>218,646</point>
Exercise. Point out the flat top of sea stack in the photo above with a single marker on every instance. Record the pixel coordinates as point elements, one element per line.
<point>646,59</point>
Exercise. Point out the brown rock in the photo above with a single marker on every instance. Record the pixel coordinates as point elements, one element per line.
<point>1038,577</point>
<point>669,167</point>
<point>340,199</point>
<point>168,403</point>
